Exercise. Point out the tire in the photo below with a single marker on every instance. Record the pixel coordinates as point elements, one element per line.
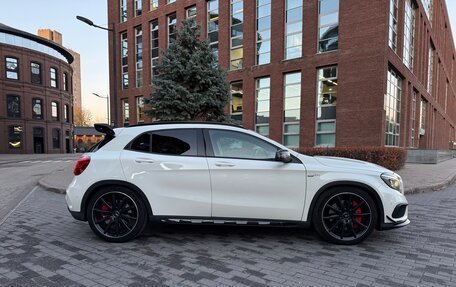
<point>345,215</point>
<point>118,222</point>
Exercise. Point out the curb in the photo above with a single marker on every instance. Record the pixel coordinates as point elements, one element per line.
<point>50,187</point>
<point>430,188</point>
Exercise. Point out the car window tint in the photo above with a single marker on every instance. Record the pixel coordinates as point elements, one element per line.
<point>175,142</point>
<point>141,143</point>
<point>239,145</point>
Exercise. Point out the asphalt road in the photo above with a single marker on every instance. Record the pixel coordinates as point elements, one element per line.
<point>42,245</point>
<point>18,176</point>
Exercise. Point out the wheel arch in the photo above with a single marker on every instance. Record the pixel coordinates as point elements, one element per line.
<point>370,190</point>
<point>96,186</point>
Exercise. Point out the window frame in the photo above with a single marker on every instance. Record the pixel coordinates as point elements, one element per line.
<point>9,114</point>
<point>55,79</point>
<point>33,75</point>
<point>16,70</point>
<point>59,140</point>
<point>57,118</point>
<point>41,117</point>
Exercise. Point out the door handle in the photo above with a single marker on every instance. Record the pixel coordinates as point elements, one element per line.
<point>144,160</point>
<point>224,164</point>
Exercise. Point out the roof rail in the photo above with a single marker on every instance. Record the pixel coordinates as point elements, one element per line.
<point>183,122</point>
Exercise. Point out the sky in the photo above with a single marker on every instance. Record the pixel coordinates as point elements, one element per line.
<point>90,42</point>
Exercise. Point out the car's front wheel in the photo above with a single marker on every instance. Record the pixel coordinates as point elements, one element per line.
<point>345,215</point>
<point>116,214</point>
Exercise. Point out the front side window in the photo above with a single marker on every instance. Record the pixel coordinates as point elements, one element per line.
<point>125,112</point>
<point>262,105</point>
<point>293,29</point>
<point>140,109</point>
<point>12,68</point>
<point>263,32</point>
<point>55,111</point>
<point>326,107</point>
<point>138,56</point>
<point>182,142</point>
<point>231,144</point>
<point>55,138</point>
<point>15,137</point>
<point>13,106</point>
<point>172,30</point>
<point>37,109</point>
<point>154,48</point>
<point>124,60</point>
<point>35,73</point>
<point>328,30</point>
<point>292,109</point>
<point>53,77</point>
<point>237,34</point>
<point>393,108</point>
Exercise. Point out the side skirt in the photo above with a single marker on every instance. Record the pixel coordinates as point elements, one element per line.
<point>228,221</point>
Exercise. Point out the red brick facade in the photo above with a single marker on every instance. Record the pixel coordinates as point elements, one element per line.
<point>363,58</point>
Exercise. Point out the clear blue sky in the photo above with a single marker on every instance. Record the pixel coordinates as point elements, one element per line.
<point>90,42</point>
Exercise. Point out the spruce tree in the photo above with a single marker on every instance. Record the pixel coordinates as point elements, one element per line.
<point>190,85</point>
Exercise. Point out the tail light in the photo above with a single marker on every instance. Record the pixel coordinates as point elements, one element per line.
<point>81,165</point>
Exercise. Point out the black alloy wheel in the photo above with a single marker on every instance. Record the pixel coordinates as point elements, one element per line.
<point>345,215</point>
<point>116,214</point>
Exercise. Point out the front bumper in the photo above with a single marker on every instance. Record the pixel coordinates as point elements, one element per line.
<point>393,225</point>
<point>77,215</point>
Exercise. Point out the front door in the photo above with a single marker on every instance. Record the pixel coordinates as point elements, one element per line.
<point>170,168</point>
<point>247,181</point>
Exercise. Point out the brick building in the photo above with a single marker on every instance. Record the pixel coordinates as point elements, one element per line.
<point>308,73</point>
<point>35,94</point>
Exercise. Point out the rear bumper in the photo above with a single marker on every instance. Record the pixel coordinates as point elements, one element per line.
<point>393,225</point>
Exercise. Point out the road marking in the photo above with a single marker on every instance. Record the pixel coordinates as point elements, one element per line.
<point>14,209</point>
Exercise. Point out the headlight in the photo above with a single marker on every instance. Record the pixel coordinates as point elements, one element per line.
<point>393,180</point>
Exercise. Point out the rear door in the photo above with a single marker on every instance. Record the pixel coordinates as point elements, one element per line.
<point>170,168</point>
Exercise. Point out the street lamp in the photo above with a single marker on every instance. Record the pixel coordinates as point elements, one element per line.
<point>114,63</point>
<point>107,105</point>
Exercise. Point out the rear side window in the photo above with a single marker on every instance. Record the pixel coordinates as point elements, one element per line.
<point>100,144</point>
<point>169,142</point>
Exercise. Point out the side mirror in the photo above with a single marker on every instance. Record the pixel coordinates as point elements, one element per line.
<point>283,156</point>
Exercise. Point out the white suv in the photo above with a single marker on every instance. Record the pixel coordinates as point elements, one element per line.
<point>215,173</point>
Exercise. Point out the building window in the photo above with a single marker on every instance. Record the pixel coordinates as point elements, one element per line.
<point>53,77</point>
<point>393,25</point>
<point>170,1</point>
<point>124,64</point>
<point>427,4</point>
<point>55,138</point>
<point>262,100</point>
<point>190,12</point>
<point>293,29</point>
<point>125,112</point>
<point>393,108</point>
<point>430,68</point>
<point>140,109</point>
<point>236,101</point>
<point>138,56</point>
<point>15,137</point>
<point>123,11</point>
<point>409,34</point>
<point>172,21</point>
<point>423,104</point>
<point>326,107</point>
<point>66,113</point>
<point>12,68</point>
<point>212,26</point>
<point>153,4</point>
<point>138,7</point>
<point>35,73</point>
<point>237,18</point>
<point>37,109</point>
<point>154,49</point>
<point>65,82</point>
<point>328,30</point>
<point>263,32</point>
<point>55,111</point>
<point>412,120</point>
<point>13,106</point>
<point>292,109</point>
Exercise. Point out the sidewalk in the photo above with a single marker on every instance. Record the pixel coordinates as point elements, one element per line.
<point>417,177</point>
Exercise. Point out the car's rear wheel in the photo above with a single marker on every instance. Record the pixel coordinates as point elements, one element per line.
<point>116,214</point>
<point>345,215</point>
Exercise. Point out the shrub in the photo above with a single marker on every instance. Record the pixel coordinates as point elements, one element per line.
<point>388,157</point>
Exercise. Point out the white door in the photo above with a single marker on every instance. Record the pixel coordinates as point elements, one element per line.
<point>170,168</point>
<point>248,183</point>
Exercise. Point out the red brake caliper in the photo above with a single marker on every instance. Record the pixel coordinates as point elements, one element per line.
<point>105,208</point>
<point>357,211</point>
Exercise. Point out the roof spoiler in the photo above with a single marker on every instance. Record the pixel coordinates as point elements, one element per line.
<point>105,129</point>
